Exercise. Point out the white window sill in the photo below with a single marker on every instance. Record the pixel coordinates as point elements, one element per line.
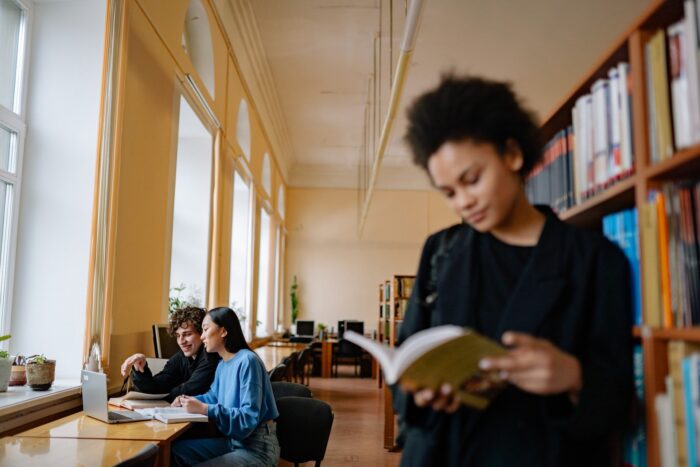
<point>21,405</point>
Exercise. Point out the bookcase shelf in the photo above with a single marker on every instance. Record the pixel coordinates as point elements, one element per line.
<point>634,190</point>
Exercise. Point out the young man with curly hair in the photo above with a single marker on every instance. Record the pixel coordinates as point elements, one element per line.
<point>189,372</point>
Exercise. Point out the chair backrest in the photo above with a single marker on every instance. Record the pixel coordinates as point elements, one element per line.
<point>308,443</point>
<point>145,458</point>
<point>305,357</point>
<point>348,349</point>
<point>164,345</point>
<point>278,373</point>
<point>284,389</point>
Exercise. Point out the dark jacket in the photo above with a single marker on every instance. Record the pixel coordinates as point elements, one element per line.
<point>574,292</point>
<point>181,375</point>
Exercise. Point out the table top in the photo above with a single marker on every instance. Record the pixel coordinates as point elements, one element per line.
<point>81,426</point>
<point>66,452</point>
<point>272,355</point>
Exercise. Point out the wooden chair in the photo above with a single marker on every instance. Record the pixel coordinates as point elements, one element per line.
<point>303,363</point>
<point>347,352</point>
<point>278,372</point>
<point>303,429</point>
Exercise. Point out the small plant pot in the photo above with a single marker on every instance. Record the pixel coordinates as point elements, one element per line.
<point>5,366</point>
<point>40,376</point>
<point>18,375</point>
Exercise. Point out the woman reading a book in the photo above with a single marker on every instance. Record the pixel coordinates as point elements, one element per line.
<point>240,402</point>
<point>557,297</point>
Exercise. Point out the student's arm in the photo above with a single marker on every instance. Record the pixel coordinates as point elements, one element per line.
<point>201,378</point>
<point>210,396</point>
<point>163,381</point>
<point>239,422</point>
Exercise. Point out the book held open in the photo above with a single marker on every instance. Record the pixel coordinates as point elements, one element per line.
<point>434,356</point>
<point>172,415</point>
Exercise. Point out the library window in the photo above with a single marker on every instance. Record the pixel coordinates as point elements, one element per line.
<point>190,235</point>
<point>267,175</point>
<point>196,41</point>
<point>243,129</point>
<point>13,33</point>
<point>280,201</point>
<point>264,321</point>
<point>241,225</point>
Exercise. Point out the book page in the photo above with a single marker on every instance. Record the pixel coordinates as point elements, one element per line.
<point>142,395</point>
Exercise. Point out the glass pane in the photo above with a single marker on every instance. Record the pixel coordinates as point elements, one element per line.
<point>6,194</point>
<point>10,22</point>
<point>8,149</point>
<point>264,322</point>
<point>240,251</point>
<point>190,245</point>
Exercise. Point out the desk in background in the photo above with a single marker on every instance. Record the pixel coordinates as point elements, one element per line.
<point>273,353</point>
<point>66,452</point>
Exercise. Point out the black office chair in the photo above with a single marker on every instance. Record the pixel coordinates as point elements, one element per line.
<point>303,429</point>
<point>145,458</point>
<point>304,360</point>
<point>347,352</point>
<point>284,389</point>
<point>278,372</point>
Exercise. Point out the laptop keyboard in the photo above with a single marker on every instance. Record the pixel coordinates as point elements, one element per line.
<point>117,416</point>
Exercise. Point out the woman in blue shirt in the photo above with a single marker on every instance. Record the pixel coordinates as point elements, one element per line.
<point>240,402</point>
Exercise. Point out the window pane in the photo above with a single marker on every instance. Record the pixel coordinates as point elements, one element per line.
<point>190,245</point>
<point>240,251</point>
<point>6,194</point>
<point>264,321</point>
<point>10,22</point>
<point>8,149</point>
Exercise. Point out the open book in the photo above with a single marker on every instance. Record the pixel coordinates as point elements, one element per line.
<point>172,415</point>
<point>434,356</point>
<point>139,400</point>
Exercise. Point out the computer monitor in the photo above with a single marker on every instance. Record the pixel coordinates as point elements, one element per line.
<point>164,344</point>
<point>341,329</point>
<point>305,328</point>
<point>357,326</point>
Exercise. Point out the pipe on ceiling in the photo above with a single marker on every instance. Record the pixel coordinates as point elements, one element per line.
<point>407,45</point>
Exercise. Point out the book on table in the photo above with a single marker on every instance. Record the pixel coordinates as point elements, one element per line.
<point>172,415</point>
<point>439,355</point>
<point>139,400</point>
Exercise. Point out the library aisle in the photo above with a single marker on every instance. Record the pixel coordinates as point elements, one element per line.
<point>358,431</point>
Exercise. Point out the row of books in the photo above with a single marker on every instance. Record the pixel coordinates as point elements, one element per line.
<point>622,228</point>
<point>674,122</point>
<point>678,408</point>
<point>404,286</point>
<point>670,223</point>
<point>593,153</point>
<point>635,445</point>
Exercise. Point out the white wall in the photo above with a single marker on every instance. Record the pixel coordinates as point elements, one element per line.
<point>51,266</point>
<point>339,273</point>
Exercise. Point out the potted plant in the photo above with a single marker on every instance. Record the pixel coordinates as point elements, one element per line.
<point>5,366</point>
<point>321,331</point>
<point>18,374</point>
<point>40,372</point>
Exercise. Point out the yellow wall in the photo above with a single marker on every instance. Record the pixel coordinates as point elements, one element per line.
<point>338,273</point>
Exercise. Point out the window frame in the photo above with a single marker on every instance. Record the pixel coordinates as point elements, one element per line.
<point>15,121</point>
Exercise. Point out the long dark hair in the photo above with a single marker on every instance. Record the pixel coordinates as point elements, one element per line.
<point>226,318</point>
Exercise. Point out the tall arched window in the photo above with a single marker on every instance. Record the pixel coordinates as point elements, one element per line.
<point>267,175</point>
<point>280,201</point>
<point>243,128</point>
<point>196,40</point>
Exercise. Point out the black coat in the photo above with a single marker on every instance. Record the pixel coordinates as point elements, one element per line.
<point>574,292</point>
<point>181,375</point>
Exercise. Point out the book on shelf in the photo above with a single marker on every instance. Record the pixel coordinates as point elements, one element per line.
<point>139,400</point>
<point>635,446</point>
<point>172,415</point>
<point>434,356</point>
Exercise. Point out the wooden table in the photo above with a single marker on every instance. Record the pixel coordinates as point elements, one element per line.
<point>80,426</point>
<point>66,452</point>
<point>272,355</point>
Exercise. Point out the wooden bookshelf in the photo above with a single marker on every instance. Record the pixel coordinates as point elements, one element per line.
<point>634,190</point>
<point>393,300</point>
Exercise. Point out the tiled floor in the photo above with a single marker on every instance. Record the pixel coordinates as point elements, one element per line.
<point>358,427</point>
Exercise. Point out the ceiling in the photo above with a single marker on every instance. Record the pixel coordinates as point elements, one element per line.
<point>312,61</point>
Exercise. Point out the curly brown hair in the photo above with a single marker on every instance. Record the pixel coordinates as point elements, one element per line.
<point>182,316</point>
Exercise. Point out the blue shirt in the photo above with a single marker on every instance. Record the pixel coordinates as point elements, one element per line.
<point>240,398</point>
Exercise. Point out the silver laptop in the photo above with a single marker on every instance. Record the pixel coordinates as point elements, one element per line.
<point>95,400</point>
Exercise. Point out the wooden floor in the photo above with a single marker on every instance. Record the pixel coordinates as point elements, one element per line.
<point>358,427</point>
